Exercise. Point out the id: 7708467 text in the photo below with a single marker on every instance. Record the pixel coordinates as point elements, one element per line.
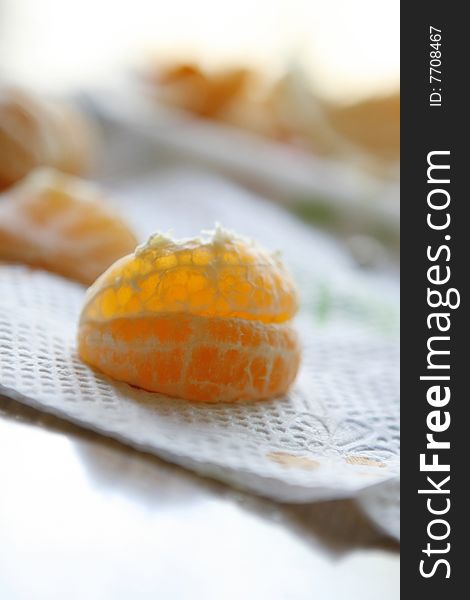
<point>435,62</point>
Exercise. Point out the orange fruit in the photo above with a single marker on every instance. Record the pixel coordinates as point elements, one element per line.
<point>38,132</point>
<point>60,223</point>
<point>373,124</point>
<point>205,319</point>
<point>197,90</point>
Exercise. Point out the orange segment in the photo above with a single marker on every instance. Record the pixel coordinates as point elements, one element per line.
<point>60,223</point>
<point>205,319</point>
<point>191,357</point>
<point>220,275</point>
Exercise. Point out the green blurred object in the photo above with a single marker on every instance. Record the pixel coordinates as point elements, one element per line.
<point>320,212</point>
<point>317,211</point>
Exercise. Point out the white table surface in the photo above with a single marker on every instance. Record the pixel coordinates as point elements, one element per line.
<point>84,517</point>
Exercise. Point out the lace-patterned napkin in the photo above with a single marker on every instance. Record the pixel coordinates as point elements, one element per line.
<point>335,434</point>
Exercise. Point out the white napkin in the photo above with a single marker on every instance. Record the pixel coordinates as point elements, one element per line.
<point>335,434</point>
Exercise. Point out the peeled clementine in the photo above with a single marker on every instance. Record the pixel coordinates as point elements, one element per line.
<point>60,223</point>
<point>205,319</point>
<point>35,132</point>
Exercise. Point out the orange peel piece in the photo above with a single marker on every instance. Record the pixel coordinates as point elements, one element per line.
<point>62,224</point>
<point>204,319</point>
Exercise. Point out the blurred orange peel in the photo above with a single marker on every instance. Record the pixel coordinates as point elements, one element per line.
<point>288,110</point>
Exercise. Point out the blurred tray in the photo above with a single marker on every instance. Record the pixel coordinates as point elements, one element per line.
<point>289,174</point>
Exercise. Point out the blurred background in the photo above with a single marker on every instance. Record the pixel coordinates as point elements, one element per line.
<point>349,51</point>
<point>319,80</point>
<point>280,118</point>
